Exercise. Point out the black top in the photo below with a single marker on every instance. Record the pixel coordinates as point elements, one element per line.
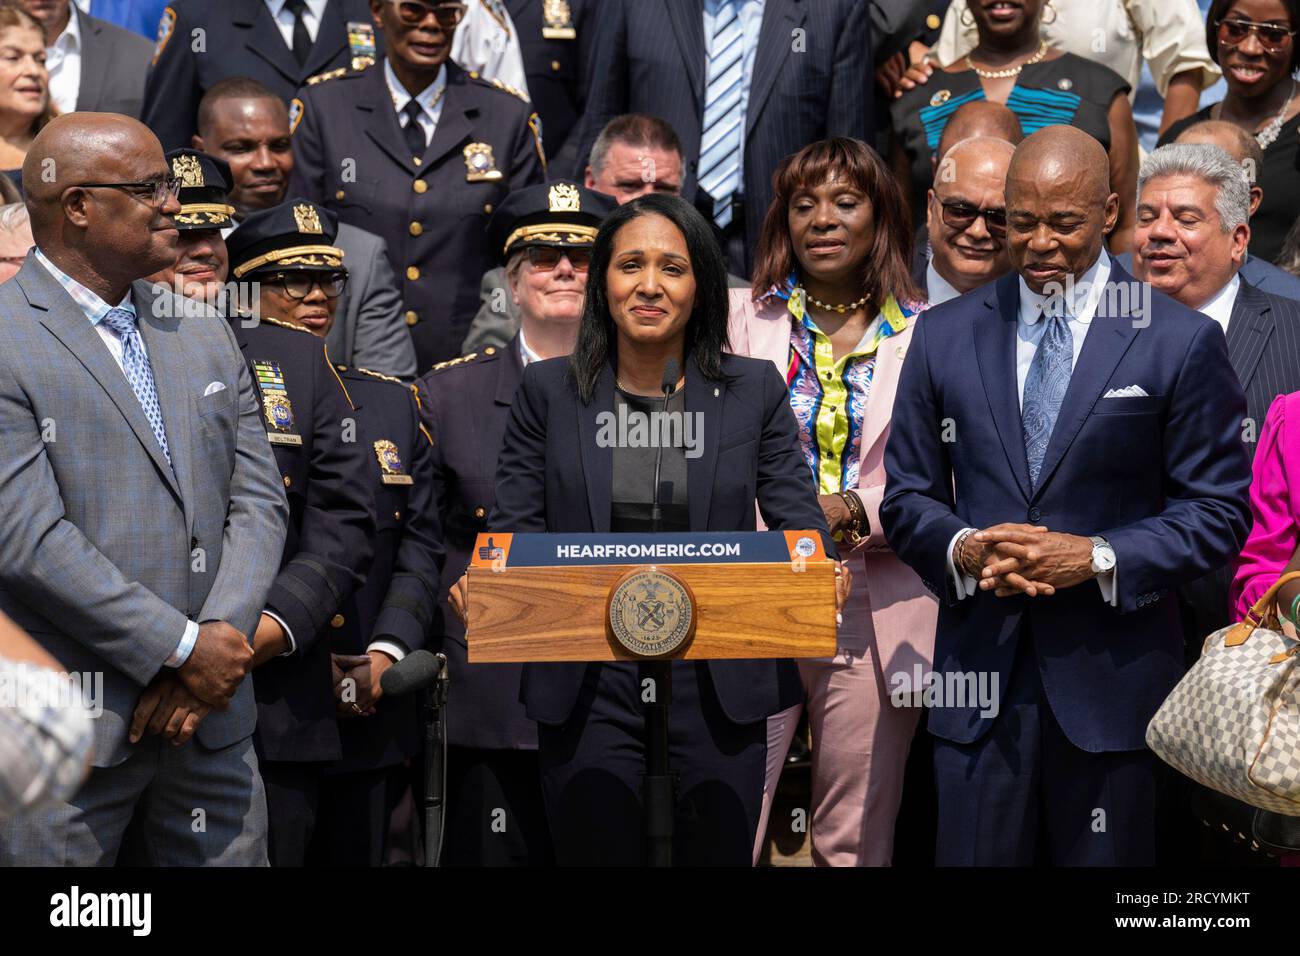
<point>1068,90</point>
<point>634,462</point>
<point>1281,203</point>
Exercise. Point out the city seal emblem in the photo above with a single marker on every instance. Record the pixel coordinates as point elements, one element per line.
<point>651,612</point>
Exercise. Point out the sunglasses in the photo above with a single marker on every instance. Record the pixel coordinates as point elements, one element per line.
<point>412,14</point>
<point>298,285</point>
<point>962,215</point>
<point>152,191</point>
<point>546,258</point>
<point>1272,36</point>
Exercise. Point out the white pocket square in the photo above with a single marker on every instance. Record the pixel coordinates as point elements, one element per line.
<point>213,387</point>
<point>1129,391</point>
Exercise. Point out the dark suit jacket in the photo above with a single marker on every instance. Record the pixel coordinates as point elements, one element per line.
<point>553,476</point>
<point>649,57</point>
<point>113,67</point>
<point>399,598</point>
<point>464,405</point>
<point>432,218</point>
<point>1163,477</point>
<point>241,39</point>
<point>328,548</point>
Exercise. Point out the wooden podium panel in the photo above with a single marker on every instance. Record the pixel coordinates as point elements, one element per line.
<point>743,609</point>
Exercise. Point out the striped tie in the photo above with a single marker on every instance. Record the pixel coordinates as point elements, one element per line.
<point>136,368</point>
<point>721,143</point>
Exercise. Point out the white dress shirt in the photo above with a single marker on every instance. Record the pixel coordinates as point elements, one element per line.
<point>1219,308</point>
<point>526,355</point>
<point>311,18</point>
<point>1081,305</point>
<point>63,62</point>
<point>95,308</point>
<point>487,42</point>
<point>429,98</point>
<point>938,289</point>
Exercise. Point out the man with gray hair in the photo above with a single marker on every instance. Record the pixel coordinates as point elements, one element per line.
<point>1192,230</point>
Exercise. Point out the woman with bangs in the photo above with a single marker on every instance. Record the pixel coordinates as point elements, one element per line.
<point>833,306</point>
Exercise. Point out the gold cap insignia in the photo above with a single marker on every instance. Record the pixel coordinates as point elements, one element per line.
<point>564,198</point>
<point>307,219</point>
<point>188,171</point>
<point>480,165</point>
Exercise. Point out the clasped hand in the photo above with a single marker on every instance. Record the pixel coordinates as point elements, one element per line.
<point>1010,559</point>
<point>356,682</point>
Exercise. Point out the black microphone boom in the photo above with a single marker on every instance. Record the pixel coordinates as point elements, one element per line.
<point>415,671</point>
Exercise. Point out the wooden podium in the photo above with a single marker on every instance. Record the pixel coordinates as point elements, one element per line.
<point>552,597</point>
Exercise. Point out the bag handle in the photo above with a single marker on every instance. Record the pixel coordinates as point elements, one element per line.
<point>1260,612</point>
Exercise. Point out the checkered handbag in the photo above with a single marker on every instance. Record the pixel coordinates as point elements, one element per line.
<point>1233,722</point>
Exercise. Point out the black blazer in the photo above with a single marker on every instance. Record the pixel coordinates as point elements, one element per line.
<point>650,56</point>
<point>553,476</point>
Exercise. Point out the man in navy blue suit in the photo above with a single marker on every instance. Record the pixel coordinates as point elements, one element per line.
<point>743,82</point>
<point>1091,428</point>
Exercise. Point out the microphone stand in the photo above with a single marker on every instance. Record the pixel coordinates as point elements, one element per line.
<point>658,784</point>
<point>433,703</point>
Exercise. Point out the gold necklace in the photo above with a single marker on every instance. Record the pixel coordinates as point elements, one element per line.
<point>827,307</point>
<point>1009,71</point>
<point>676,388</point>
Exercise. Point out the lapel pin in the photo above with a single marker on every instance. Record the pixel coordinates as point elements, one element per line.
<point>715,393</point>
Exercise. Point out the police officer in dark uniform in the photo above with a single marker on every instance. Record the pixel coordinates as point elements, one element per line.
<point>244,38</point>
<point>419,152</point>
<point>544,234</point>
<point>554,39</point>
<point>327,471</point>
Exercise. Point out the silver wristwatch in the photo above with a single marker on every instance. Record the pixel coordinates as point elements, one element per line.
<point>1103,555</point>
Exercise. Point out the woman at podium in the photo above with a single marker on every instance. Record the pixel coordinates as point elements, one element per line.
<point>656,303</point>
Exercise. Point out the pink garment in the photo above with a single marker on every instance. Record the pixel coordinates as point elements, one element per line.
<point>1274,505</point>
<point>888,628</point>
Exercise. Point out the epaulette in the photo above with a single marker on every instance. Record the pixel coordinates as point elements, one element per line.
<point>285,325</point>
<point>328,75</point>
<point>488,352</point>
<point>503,87</point>
<point>387,378</point>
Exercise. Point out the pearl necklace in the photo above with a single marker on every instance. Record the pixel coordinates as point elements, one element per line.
<point>826,307</point>
<point>1009,71</point>
<point>1269,134</point>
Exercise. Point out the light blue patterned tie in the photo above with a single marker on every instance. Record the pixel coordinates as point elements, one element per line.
<point>1049,377</point>
<point>720,143</point>
<point>136,366</point>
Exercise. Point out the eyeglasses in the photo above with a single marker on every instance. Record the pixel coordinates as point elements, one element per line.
<point>546,258</point>
<point>962,215</point>
<point>298,285</point>
<point>152,191</point>
<point>1272,36</point>
<point>412,14</point>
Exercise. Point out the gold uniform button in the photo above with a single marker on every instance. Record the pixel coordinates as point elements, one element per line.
<point>933,21</point>
<point>339,194</point>
<point>419,186</point>
<point>412,318</point>
<point>416,228</point>
<point>479,513</point>
<point>412,273</point>
<point>287,481</point>
<point>487,207</point>
<point>490,350</point>
<point>397,515</point>
<point>555,64</point>
<point>336,620</point>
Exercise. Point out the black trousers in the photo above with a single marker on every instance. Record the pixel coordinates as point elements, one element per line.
<point>592,767</point>
<point>352,816</point>
<point>292,803</point>
<point>495,815</point>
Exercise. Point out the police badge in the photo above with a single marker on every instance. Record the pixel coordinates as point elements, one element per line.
<point>281,429</point>
<point>479,164</point>
<point>390,464</point>
<point>558,19</point>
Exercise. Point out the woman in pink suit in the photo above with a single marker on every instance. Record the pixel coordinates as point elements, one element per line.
<point>1273,547</point>
<point>833,306</point>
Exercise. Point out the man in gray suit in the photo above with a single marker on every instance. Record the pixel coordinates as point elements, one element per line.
<point>143,512</point>
<point>244,123</point>
<point>93,64</point>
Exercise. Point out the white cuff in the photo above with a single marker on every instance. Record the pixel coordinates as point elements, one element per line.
<point>391,648</point>
<point>1109,587</point>
<point>963,584</point>
<point>182,653</point>
<point>288,634</point>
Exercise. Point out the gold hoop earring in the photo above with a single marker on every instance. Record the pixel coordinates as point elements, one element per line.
<point>962,19</point>
<point>1042,17</point>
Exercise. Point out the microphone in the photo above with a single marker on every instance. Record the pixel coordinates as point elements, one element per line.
<point>669,385</point>
<point>413,672</point>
